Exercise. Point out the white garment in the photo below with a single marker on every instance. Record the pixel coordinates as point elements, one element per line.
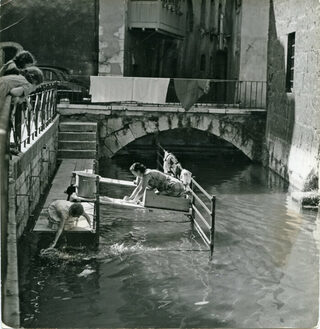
<point>150,90</point>
<point>111,89</point>
<point>122,89</point>
<point>185,177</point>
<point>169,160</point>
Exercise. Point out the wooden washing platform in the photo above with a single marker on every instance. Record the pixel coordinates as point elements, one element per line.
<point>61,181</point>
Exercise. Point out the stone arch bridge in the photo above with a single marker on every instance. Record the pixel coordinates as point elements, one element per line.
<point>120,125</point>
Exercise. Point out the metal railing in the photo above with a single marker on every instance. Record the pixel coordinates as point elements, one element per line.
<point>229,93</point>
<point>203,206</point>
<point>31,117</point>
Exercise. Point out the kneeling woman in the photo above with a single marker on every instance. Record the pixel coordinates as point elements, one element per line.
<point>154,179</point>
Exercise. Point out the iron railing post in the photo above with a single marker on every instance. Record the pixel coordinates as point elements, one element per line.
<point>212,230</point>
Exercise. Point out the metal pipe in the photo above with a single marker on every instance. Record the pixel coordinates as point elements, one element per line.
<point>202,189</point>
<point>202,203</point>
<point>201,217</point>
<point>212,230</point>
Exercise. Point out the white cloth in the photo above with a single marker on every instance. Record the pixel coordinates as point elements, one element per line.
<point>169,161</point>
<point>185,177</point>
<point>122,89</point>
<point>111,89</point>
<point>150,90</point>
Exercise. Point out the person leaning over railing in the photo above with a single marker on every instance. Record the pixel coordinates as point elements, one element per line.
<point>21,61</point>
<point>19,86</point>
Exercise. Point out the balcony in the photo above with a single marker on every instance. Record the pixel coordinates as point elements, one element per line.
<point>165,16</point>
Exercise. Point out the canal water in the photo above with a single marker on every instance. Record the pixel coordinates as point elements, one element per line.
<point>152,270</point>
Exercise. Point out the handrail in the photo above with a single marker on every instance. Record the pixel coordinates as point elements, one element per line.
<point>201,202</point>
<point>201,189</point>
<point>201,217</point>
<point>209,223</point>
<point>28,123</point>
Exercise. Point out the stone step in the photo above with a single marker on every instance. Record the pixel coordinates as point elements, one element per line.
<point>76,136</point>
<point>77,145</point>
<point>76,154</point>
<point>78,126</point>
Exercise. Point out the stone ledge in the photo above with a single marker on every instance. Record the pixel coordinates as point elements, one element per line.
<point>71,109</point>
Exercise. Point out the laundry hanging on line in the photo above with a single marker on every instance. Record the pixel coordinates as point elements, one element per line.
<point>110,89</point>
<point>189,91</point>
<point>122,89</point>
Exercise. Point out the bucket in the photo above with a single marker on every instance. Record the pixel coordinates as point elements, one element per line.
<point>87,185</point>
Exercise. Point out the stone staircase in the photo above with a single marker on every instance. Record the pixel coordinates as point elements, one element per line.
<point>77,140</point>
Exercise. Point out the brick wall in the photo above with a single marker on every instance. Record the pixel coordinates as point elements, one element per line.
<point>31,173</point>
<point>293,121</point>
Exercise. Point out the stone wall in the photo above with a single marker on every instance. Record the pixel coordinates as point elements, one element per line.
<point>30,175</point>
<point>254,40</point>
<point>112,29</point>
<point>293,121</point>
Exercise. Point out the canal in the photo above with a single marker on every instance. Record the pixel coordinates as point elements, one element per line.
<point>152,270</point>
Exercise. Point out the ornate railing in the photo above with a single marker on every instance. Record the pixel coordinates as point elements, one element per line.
<point>31,117</point>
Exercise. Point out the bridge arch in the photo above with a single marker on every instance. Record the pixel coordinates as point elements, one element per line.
<point>118,131</point>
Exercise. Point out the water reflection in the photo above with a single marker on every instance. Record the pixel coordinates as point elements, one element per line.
<point>152,270</point>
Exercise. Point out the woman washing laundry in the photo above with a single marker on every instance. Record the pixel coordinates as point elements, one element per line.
<point>155,180</point>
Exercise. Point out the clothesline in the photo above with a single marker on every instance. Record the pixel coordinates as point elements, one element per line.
<point>146,90</point>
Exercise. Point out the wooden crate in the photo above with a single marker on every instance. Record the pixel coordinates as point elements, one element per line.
<point>152,200</point>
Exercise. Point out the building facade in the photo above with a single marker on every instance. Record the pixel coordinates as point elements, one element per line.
<point>293,121</point>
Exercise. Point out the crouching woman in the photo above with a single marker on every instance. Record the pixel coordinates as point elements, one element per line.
<point>64,215</point>
<point>155,180</point>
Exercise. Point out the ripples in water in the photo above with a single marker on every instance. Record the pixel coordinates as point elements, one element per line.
<point>152,270</point>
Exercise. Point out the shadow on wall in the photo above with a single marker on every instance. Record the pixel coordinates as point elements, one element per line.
<point>280,104</point>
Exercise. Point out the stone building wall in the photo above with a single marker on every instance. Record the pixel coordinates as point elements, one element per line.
<point>112,31</point>
<point>30,174</point>
<point>293,122</point>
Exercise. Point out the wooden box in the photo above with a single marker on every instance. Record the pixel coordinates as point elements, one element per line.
<point>152,200</point>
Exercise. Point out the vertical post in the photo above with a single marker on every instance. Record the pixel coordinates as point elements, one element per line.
<point>192,215</point>
<point>212,230</point>
<point>192,201</point>
<point>97,209</point>
<point>158,157</point>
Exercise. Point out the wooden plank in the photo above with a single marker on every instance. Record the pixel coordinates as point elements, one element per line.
<point>116,181</point>
<point>152,200</point>
<point>42,224</point>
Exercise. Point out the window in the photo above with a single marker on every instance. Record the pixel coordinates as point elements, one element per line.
<point>290,61</point>
<point>203,63</point>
